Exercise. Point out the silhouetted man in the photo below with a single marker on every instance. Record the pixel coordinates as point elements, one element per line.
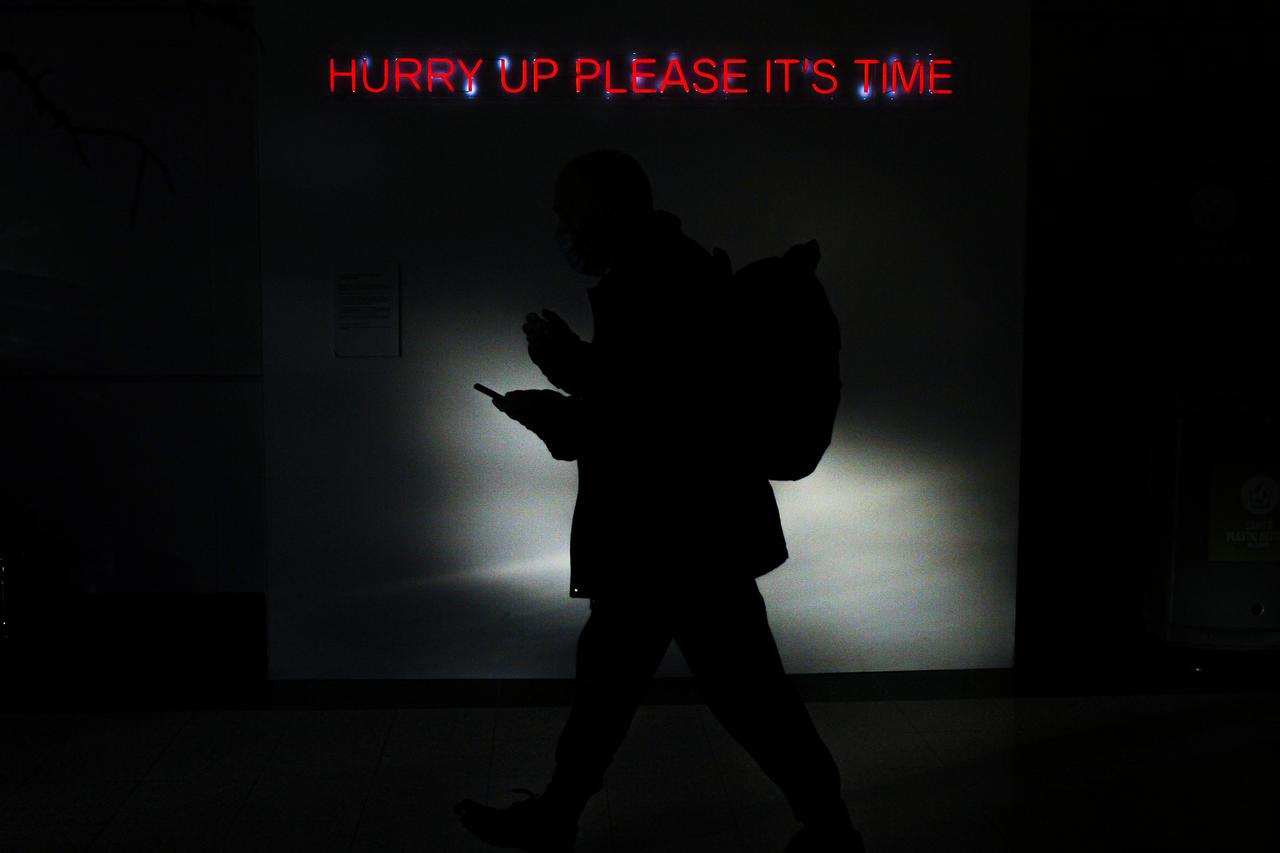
<point>673,521</point>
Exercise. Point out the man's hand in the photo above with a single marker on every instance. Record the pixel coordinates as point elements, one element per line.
<point>549,330</point>
<point>547,413</point>
<point>555,348</point>
<point>531,408</point>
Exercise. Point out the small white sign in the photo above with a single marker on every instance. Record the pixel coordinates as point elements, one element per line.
<point>366,315</point>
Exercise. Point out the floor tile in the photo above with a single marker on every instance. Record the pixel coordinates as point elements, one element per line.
<point>305,799</point>
<point>884,716</point>
<point>410,834</point>
<point>64,801</point>
<point>317,836</point>
<point>132,837</point>
<point>205,800</point>
<point>330,743</point>
<point>670,740</point>
<point>958,714</point>
<point>224,744</point>
<point>1169,772</point>
<point>994,746</point>
<point>49,839</point>
<point>299,813</point>
<point>524,747</point>
<point>112,746</point>
<point>438,731</point>
<point>398,793</point>
<point>28,741</point>
<point>648,811</point>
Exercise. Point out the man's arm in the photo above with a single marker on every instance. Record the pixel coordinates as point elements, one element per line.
<point>558,420</point>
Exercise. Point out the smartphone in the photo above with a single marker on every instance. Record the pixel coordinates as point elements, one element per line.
<point>489,391</point>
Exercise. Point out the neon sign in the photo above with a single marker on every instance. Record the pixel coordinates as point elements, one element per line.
<point>642,76</point>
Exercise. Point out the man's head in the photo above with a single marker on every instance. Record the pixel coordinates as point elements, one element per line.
<point>600,198</point>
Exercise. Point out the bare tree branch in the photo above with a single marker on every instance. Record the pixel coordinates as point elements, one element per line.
<point>9,63</point>
<point>225,15</point>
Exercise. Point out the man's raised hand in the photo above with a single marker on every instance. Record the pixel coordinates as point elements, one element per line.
<point>554,347</point>
<point>548,332</point>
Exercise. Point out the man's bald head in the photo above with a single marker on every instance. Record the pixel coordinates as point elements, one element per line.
<point>610,182</point>
<point>600,197</point>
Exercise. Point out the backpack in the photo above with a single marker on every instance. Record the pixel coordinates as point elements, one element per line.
<point>790,374</point>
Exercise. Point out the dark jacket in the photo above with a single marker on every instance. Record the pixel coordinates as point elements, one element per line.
<point>667,494</point>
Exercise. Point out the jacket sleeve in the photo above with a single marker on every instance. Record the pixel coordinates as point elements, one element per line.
<point>569,432</point>
<point>652,385</point>
<point>572,370</point>
<point>657,395</point>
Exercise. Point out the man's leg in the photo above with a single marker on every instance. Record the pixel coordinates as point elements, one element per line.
<point>619,650</point>
<point>730,649</point>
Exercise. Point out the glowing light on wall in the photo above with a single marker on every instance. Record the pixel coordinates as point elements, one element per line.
<point>900,556</point>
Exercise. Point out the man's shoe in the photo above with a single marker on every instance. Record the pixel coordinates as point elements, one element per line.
<point>530,824</point>
<point>842,838</point>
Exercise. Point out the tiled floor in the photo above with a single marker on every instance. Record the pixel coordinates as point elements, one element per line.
<point>1171,772</point>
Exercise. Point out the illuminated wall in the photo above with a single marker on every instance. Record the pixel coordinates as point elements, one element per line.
<point>413,531</point>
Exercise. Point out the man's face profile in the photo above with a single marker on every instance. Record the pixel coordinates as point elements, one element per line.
<point>580,232</point>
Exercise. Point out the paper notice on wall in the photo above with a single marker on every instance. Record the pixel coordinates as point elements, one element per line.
<point>1244,519</point>
<point>366,315</point>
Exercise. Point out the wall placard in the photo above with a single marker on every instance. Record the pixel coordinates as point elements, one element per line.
<point>366,315</point>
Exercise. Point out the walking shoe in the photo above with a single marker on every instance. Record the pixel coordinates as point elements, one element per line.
<point>530,824</point>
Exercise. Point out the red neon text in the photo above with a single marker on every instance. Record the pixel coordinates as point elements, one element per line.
<point>645,75</point>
